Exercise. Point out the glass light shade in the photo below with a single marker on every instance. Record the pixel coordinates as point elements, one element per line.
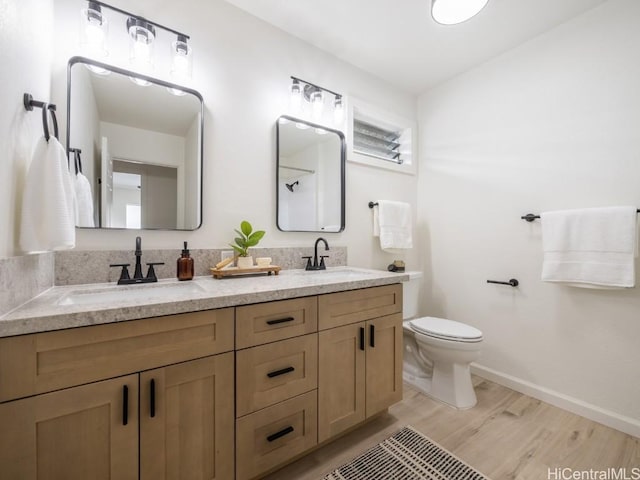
<point>301,126</point>
<point>338,111</point>
<point>141,37</point>
<point>295,98</point>
<point>93,36</point>
<point>321,131</point>
<point>181,55</point>
<point>317,104</point>
<point>450,12</point>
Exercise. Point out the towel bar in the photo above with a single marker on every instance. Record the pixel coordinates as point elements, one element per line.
<point>512,282</point>
<point>530,217</point>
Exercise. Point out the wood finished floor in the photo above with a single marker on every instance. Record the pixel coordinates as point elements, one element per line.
<point>507,435</point>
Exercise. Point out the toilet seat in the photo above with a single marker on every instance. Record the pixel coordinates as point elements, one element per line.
<point>446,329</point>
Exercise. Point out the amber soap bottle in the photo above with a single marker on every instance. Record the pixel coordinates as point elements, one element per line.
<point>185,265</point>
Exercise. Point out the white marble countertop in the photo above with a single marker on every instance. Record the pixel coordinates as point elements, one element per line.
<point>84,305</point>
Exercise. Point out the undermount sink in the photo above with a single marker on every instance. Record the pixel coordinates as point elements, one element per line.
<point>128,293</point>
<point>339,272</point>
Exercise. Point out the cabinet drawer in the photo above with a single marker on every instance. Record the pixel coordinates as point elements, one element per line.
<point>343,308</point>
<point>269,437</point>
<point>268,322</point>
<point>270,373</point>
<point>44,362</point>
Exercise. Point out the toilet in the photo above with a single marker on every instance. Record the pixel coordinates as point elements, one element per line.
<point>438,352</point>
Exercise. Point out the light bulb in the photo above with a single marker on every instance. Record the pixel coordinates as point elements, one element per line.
<point>451,12</point>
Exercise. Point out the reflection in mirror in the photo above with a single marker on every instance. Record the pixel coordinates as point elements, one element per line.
<point>310,177</point>
<point>141,148</point>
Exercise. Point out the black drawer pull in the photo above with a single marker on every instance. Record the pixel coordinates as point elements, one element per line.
<point>125,405</point>
<point>281,433</point>
<point>361,338</point>
<point>152,399</point>
<point>282,371</point>
<point>372,336</point>
<point>280,320</point>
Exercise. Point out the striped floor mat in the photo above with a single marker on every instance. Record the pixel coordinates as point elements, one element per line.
<point>407,455</point>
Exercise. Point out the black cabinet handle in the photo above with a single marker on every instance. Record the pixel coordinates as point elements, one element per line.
<point>280,320</point>
<point>281,433</point>
<point>152,399</point>
<point>361,338</point>
<point>125,405</point>
<point>280,372</point>
<point>372,335</point>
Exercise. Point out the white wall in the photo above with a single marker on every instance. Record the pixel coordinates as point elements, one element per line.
<point>26,67</point>
<point>552,124</point>
<point>242,67</point>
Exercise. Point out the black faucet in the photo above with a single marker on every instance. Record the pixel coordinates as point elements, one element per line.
<point>125,279</point>
<point>316,265</point>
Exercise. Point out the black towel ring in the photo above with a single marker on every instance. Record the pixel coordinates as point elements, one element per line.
<point>29,103</point>
<point>52,109</point>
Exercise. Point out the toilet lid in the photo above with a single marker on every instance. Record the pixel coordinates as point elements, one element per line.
<point>446,329</point>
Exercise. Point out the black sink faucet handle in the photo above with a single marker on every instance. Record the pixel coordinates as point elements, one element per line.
<point>124,273</point>
<point>308,266</point>
<point>322,257</point>
<point>151,273</point>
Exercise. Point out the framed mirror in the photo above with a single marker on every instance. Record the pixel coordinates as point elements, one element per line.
<point>138,142</point>
<point>310,177</point>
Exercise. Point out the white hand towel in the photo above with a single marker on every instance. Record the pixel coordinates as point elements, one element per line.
<point>47,221</point>
<point>593,247</point>
<point>84,201</point>
<point>392,223</point>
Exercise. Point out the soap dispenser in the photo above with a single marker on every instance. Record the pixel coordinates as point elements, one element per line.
<point>185,265</point>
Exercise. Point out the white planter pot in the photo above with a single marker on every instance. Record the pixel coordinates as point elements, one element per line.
<point>244,262</point>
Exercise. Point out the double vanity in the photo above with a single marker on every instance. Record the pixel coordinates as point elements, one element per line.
<point>215,379</point>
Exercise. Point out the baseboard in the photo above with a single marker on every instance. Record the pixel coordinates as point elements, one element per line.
<point>611,419</point>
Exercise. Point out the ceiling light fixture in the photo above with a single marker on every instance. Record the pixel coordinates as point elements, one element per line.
<point>315,96</point>
<point>451,12</point>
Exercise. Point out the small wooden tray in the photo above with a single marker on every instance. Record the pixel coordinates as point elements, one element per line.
<point>234,271</point>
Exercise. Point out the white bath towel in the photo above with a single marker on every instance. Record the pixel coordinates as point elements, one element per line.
<point>392,223</point>
<point>593,247</point>
<point>47,221</point>
<point>83,201</point>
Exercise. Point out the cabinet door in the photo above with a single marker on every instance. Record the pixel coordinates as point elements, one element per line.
<point>341,379</point>
<point>384,362</point>
<point>187,420</point>
<point>86,432</point>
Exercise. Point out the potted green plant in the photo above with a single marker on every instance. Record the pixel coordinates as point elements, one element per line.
<point>246,238</point>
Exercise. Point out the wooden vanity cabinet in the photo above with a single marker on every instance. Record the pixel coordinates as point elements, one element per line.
<point>360,362</point>
<point>174,412</point>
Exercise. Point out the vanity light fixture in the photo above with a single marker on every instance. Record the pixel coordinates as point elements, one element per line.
<point>142,37</point>
<point>315,96</point>
<point>451,12</point>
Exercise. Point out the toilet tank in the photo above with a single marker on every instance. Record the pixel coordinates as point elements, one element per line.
<point>411,295</point>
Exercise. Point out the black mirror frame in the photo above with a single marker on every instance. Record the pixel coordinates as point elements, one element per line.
<point>162,83</point>
<point>343,157</point>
